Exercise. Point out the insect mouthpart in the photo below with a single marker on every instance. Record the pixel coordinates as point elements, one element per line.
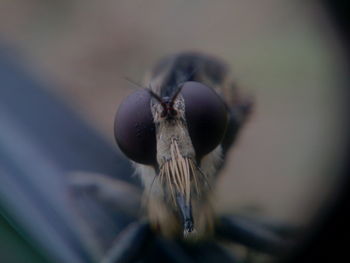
<point>186,212</point>
<point>178,176</point>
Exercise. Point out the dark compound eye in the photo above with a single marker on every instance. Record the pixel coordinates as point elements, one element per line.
<point>206,116</point>
<point>134,128</point>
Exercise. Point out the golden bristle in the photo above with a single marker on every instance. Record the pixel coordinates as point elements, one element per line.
<point>177,173</point>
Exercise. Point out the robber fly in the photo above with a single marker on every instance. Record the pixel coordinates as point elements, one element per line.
<point>177,132</point>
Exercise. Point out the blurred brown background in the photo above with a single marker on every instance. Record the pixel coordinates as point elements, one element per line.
<point>283,52</point>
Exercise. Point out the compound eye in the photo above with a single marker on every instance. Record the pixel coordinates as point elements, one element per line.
<point>206,117</point>
<point>134,129</point>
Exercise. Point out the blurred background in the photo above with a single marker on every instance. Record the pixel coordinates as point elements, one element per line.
<point>286,162</point>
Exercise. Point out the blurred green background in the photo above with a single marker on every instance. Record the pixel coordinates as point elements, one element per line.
<point>282,52</point>
<point>15,249</point>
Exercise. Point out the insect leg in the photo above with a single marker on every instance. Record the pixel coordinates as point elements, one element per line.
<point>129,243</point>
<point>252,235</point>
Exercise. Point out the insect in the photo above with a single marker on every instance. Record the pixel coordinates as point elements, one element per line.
<point>177,132</point>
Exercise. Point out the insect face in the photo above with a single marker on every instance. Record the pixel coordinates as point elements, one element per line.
<point>173,134</point>
<point>204,112</point>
